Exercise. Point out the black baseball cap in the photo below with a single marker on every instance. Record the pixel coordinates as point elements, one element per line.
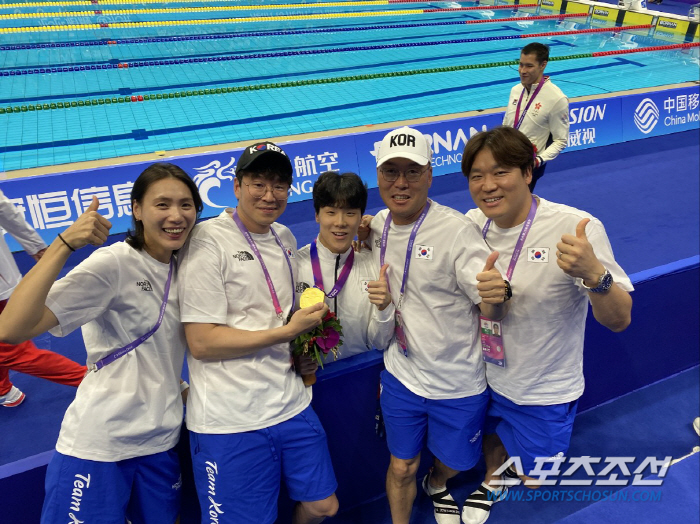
<point>270,152</point>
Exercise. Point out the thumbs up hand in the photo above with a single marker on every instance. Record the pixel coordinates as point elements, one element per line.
<point>90,228</point>
<point>379,290</point>
<point>576,258</point>
<point>490,283</point>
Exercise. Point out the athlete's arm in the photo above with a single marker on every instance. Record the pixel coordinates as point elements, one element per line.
<point>559,129</point>
<point>576,258</point>
<point>26,315</point>
<point>219,342</point>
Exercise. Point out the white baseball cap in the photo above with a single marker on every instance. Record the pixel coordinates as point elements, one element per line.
<point>405,142</point>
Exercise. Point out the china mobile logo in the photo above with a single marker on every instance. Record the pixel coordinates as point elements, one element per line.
<point>214,507</point>
<point>646,116</point>
<point>211,176</point>
<point>607,474</point>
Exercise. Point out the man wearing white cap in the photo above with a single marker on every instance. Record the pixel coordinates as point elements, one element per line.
<point>433,389</point>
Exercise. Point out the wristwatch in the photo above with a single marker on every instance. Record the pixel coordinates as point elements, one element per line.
<point>605,282</point>
<point>509,291</point>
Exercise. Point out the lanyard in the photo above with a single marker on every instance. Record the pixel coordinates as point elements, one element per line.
<point>409,248</point>
<point>518,117</point>
<point>521,239</point>
<point>318,276</point>
<point>268,278</point>
<point>119,353</point>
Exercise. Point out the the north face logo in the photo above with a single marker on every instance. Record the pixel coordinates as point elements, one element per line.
<point>145,285</point>
<point>243,256</point>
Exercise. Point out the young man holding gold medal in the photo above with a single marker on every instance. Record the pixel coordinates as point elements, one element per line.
<point>354,288</point>
<point>560,260</point>
<point>248,411</point>
<point>433,388</point>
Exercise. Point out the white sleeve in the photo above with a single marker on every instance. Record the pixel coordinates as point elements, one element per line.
<point>201,287</point>
<point>469,254</point>
<point>381,327</point>
<point>559,129</point>
<point>85,293</point>
<point>13,222</point>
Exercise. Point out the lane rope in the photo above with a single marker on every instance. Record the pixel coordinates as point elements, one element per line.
<point>218,21</point>
<point>299,83</point>
<point>289,32</point>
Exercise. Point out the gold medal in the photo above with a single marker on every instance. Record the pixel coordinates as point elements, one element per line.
<point>311,296</point>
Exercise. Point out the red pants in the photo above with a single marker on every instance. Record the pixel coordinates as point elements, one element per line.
<point>27,358</point>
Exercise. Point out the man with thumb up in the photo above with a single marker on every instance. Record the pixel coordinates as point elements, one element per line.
<point>559,260</point>
<point>355,288</point>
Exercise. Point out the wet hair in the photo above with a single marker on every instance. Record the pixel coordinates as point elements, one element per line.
<point>509,147</point>
<point>541,51</point>
<point>152,174</point>
<point>335,190</point>
<point>269,167</point>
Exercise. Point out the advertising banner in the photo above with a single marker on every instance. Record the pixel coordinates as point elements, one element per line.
<point>660,113</point>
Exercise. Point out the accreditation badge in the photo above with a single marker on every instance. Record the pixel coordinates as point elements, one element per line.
<point>493,350</point>
<point>400,333</point>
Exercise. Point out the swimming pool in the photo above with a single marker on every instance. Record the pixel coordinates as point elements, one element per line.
<point>100,79</point>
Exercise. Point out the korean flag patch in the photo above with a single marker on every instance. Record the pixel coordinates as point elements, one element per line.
<point>424,252</point>
<point>290,252</point>
<point>538,254</point>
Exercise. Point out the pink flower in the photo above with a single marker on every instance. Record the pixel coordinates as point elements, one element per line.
<point>329,339</point>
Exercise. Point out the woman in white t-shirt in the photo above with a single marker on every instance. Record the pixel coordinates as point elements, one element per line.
<point>115,456</point>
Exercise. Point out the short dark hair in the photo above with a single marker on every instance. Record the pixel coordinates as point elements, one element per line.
<point>541,51</point>
<point>268,167</point>
<point>152,174</point>
<point>335,190</point>
<point>509,147</point>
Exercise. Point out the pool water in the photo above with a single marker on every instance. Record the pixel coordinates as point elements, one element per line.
<point>201,74</point>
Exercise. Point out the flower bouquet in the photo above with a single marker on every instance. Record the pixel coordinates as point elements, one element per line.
<point>319,342</point>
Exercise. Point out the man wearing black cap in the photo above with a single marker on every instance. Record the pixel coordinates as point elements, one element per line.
<point>248,412</point>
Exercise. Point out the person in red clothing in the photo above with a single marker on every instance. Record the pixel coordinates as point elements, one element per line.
<point>26,357</point>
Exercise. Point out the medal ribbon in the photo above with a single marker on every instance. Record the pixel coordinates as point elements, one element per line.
<point>119,353</point>
<point>318,276</point>
<point>409,248</point>
<point>518,117</point>
<point>268,278</point>
<point>521,239</point>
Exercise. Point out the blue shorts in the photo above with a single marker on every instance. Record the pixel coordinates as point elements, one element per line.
<point>238,474</point>
<point>146,490</point>
<point>531,431</point>
<point>453,426</point>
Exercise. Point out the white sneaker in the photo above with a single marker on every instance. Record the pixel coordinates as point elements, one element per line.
<point>445,508</point>
<point>12,399</point>
<point>477,507</point>
<point>696,425</point>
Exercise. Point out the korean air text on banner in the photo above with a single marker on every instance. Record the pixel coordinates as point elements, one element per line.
<point>51,203</point>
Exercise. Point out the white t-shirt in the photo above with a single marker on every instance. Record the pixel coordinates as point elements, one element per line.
<point>223,283</point>
<point>544,328</point>
<point>439,311</point>
<point>364,326</point>
<point>548,114</point>
<point>132,407</point>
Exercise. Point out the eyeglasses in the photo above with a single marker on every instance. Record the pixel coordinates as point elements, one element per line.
<point>259,190</point>
<point>391,174</point>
